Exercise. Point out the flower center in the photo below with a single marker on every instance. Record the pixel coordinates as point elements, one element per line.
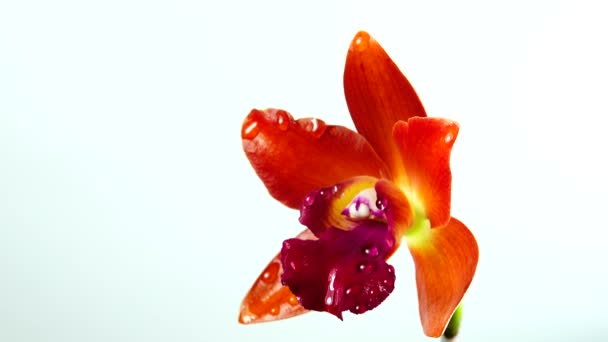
<point>365,205</point>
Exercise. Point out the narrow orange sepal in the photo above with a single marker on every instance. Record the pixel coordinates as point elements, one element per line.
<point>268,300</point>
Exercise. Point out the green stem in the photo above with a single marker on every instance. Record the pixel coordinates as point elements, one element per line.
<point>451,331</point>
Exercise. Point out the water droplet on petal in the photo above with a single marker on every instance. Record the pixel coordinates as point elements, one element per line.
<point>275,310</point>
<point>246,319</point>
<point>353,290</point>
<point>358,309</point>
<point>328,300</point>
<point>293,300</point>
<point>283,120</point>
<point>370,250</point>
<point>448,138</point>
<point>390,269</point>
<point>318,128</point>
<point>271,273</point>
<point>250,129</point>
<point>365,267</point>
<point>380,204</point>
<point>309,200</point>
<point>315,127</point>
<point>361,41</point>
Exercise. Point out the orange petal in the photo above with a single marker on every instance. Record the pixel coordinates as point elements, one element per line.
<point>378,95</point>
<point>425,145</point>
<point>268,300</point>
<point>397,207</point>
<point>294,157</point>
<point>445,259</point>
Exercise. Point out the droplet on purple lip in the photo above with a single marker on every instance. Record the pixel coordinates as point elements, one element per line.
<point>380,204</point>
<point>365,267</point>
<point>309,200</point>
<point>353,290</point>
<point>370,250</point>
<point>359,309</point>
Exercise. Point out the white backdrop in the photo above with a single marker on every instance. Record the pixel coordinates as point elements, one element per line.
<point>128,211</point>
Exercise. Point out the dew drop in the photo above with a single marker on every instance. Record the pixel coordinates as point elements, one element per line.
<point>370,250</point>
<point>365,267</point>
<point>283,120</point>
<point>380,204</point>
<point>358,309</point>
<point>309,200</point>
<point>328,300</point>
<point>390,269</point>
<point>271,273</point>
<point>246,319</point>
<point>315,127</point>
<point>250,129</point>
<point>353,290</point>
<point>318,128</point>
<point>275,310</point>
<point>361,41</point>
<point>293,300</point>
<point>334,189</point>
<point>448,138</point>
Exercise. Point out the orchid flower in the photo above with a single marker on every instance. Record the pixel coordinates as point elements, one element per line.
<point>360,194</point>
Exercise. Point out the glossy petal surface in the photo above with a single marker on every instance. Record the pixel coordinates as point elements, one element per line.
<point>295,157</point>
<point>343,270</point>
<point>445,259</point>
<point>398,210</point>
<point>324,208</point>
<point>425,145</point>
<point>378,95</point>
<point>268,300</point>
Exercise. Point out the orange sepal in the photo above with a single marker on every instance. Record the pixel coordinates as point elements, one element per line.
<point>378,95</point>
<point>268,300</point>
<point>445,259</point>
<point>295,157</point>
<point>425,145</point>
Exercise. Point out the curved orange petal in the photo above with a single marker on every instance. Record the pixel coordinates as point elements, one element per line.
<point>445,259</point>
<point>268,300</point>
<point>398,209</point>
<point>425,145</point>
<point>294,157</point>
<point>378,95</point>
